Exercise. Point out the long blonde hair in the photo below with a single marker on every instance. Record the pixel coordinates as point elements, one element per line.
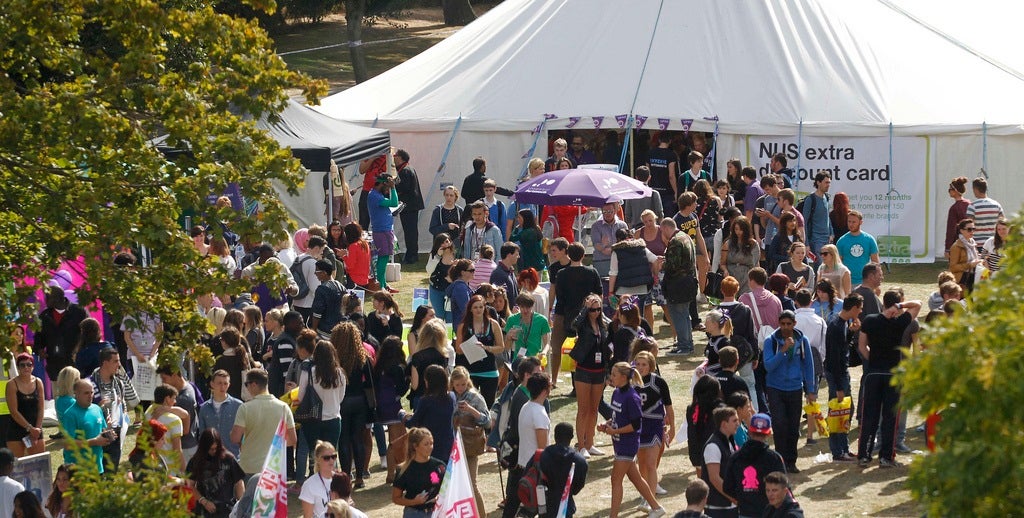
<point>460,373</point>
<point>834,253</point>
<point>66,380</point>
<point>629,372</point>
<point>413,439</point>
<point>345,207</point>
<point>434,335</point>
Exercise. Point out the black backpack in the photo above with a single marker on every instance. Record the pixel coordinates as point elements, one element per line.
<point>300,278</point>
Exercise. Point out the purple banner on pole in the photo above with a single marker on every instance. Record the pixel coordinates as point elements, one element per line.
<point>597,122</point>
<point>663,123</point>
<point>573,121</point>
<point>640,120</point>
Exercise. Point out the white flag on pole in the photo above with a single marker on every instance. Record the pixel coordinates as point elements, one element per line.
<point>456,499</point>
<point>563,503</point>
<point>271,498</point>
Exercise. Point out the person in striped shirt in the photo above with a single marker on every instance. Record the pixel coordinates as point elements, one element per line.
<point>984,211</point>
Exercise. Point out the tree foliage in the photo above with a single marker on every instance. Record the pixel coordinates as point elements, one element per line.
<point>971,373</point>
<point>84,87</point>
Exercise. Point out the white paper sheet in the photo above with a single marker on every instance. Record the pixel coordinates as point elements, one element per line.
<point>473,350</point>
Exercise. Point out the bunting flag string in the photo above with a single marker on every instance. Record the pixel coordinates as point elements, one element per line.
<point>573,121</point>
<point>640,120</point>
<point>663,123</point>
<point>687,123</point>
<point>621,120</point>
<point>597,122</point>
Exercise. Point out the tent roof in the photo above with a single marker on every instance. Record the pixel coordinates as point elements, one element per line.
<point>762,67</point>
<point>315,138</point>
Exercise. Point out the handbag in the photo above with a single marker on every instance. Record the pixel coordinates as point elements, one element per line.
<point>474,440</point>
<point>713,287</point>
<point>369,391</point>
<point>311,407</point>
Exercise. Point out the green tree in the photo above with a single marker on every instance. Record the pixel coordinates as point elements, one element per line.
<point>971,373</point>
<point>84,87</point>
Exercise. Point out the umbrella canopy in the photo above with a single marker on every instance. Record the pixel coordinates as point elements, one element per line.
<point>583,187</point>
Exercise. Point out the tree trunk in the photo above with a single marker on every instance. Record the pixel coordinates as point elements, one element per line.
<point>354,11</point>
<point>457,12</point>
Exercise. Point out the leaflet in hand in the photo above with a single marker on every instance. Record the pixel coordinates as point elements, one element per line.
<point>473,350</point>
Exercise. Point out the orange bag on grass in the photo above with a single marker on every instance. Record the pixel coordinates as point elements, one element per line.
<point>839,415</point>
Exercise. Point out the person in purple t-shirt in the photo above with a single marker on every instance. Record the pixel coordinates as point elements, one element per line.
<point>754,191</point>
<point>624,427</point>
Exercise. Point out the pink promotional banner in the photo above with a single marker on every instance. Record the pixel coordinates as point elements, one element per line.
<point>456,499</point>
<point>70,276</point>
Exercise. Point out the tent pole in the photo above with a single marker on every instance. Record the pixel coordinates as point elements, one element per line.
<point>533,147</point>
<point>984,149</point>
<point>799,152</point>
<point>627,145</point>
<point>444,161</point>
<point>632,153</point>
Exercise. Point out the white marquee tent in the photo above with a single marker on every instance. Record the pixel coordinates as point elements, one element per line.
<point>794,70</point>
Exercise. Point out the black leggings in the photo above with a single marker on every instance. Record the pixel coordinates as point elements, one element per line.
<point>487,387</point>
<point>354,414</point>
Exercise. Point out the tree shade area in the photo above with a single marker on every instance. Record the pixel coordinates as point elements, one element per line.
<point>85,85</point>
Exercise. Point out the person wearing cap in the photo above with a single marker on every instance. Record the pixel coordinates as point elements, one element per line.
<point>744,476</point>
<point>380,201</point>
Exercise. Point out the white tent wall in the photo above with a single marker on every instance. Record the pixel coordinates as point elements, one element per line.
<point>503,151</point>
<point>308,207</point>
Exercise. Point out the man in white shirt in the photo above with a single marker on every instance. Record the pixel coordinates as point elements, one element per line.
<point>533,426</point>
<point>307,261</point>
<point>8,486</point>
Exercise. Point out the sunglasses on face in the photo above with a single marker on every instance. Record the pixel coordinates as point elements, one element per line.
<point>593,310</point>
<point>969,229</point>
<point>329,457</point>
<point>471,270</point>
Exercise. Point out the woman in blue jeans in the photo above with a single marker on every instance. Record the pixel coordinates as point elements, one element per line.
<point>442,256</point>
<point>355,409</point>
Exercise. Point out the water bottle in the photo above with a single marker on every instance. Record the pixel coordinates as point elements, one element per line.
<point>544,275</point>
<point>542,500</point>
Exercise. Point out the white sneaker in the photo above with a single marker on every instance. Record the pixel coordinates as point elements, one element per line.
<point>594,451</point>
<point>384,463</point>
<point>656,513</point>
<point>658,490</point>
<point>645,507</point>
<point>585,453</point>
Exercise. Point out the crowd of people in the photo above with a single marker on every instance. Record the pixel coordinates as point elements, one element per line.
<point>789,292</point>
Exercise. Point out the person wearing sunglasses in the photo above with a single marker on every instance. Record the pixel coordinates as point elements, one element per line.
<point>459,291</point>
<point>25,399</point>
<point>316,491</point>
<point>593,354</point>
<point>963,255</point>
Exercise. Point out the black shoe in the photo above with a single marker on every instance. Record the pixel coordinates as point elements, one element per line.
<point>791,468</point>
<point>572,393</point>
<point>56,436</point>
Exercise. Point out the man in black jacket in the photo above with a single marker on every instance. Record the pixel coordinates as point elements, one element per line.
<point>747,469</point>
<point>408,187</point>
<point>58,331</point>
<point>473,185</point>
<point>555,463</point>
<point>780,498</point>
<point>842,331</point>
<point>717,452</point>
